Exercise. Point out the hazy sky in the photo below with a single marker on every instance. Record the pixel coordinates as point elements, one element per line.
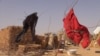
<point>50,12</point>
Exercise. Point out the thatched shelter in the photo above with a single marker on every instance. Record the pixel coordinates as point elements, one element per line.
<point>8,36</point>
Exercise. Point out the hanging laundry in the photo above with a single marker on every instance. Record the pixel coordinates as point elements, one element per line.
<point>75,31</point>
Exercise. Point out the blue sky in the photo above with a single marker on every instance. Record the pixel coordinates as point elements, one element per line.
<point>50,12</point>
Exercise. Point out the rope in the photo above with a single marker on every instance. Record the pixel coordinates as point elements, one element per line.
<point>71,6</point>
<point>76,1</point>
<point>95,25</point>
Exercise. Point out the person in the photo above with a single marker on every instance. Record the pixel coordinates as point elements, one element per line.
<point>29,22</point>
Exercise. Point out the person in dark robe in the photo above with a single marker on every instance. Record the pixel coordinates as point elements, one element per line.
<point>29,23</point>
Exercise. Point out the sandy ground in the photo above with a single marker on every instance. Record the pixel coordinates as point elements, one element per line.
<point>80,52</point>
<point>91,52</point>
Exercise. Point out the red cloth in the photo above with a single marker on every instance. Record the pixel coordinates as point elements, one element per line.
<point>98,41</point>
<point>75,31</point>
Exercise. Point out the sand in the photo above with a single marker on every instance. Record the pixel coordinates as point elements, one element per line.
<point>79,52</point>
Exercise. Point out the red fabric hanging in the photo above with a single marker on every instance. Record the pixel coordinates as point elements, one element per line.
<point>98,41</point>
<point>75,31</point>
